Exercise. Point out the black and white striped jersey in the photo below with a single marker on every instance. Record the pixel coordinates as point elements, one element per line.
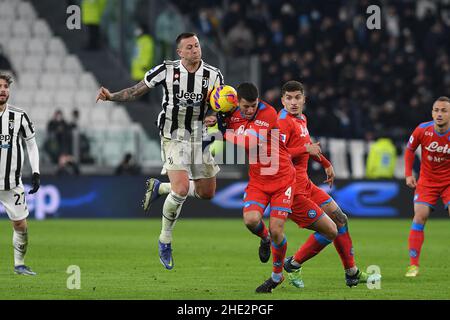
<point>185,95</point>
<point>15,125</point>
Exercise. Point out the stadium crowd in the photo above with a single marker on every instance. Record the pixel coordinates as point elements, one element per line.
<point>359,82</point>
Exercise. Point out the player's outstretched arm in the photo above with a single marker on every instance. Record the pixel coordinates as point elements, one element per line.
<point>128,94</point>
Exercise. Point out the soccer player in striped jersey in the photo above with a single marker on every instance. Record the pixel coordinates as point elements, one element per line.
<point>434,180</point>
<point>15,126</point>
<point>187,84</point>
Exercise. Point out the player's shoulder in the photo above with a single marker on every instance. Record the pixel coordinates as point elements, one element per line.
<point>283,115</point>
<point>210,67</point>
<point>171,62</point>
<point>266,108</point>
<point>16,109</point>
<point>304,118</point>
<point>425,125</point>
<point>168,64</point>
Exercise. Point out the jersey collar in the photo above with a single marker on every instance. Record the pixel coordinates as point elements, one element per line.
<point>182,67</point>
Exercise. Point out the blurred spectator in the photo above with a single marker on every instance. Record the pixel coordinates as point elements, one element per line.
<point>58,137</point>
<point>84,151</point>
<point>91,15</point>
<point>67,166</point>
<point>128,166</point>
<point>144,49</point>
<point>382,159</point>
<point>239,40</point>
<point>358,79</point>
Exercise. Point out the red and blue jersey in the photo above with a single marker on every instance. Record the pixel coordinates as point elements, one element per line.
<point>261,132</point>
<point>295,135</point>
<point>435,150</point>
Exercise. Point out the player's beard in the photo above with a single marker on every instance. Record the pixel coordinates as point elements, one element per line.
<point>4,99</point>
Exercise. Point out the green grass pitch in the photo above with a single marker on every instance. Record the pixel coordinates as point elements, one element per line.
<point>214,259</point>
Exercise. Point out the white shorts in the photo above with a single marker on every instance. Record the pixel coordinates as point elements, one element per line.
<point>15,203</point>
<point>188,156</point>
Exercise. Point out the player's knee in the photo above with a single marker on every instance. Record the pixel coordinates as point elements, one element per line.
<point>181,190</point>
<point>331,232</point>
<point>20,225</point>
<point>276,232</point>
<point>339,217</point>
<point>421,219</point>
<point>251,220</point>
<point>205,194</point>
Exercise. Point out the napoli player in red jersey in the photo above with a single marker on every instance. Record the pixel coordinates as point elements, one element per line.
<point>434,180</point>
<point>253,125</point>
<point>310,202</point>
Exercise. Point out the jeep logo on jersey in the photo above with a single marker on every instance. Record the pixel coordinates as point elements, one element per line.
<point>5,137</point>
<point>435,147</point>
<point>190,95</point>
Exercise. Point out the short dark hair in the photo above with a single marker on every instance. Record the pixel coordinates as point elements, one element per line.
<point>247,91</point>
<point>291,86</point>
<point>443,98</point>
<point>6,77</point>
<point>184,35</point>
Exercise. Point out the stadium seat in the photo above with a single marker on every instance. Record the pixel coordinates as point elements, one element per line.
<point>16,46</point>
<point>119,116</point>
<point>68,82</point>
<point>53,64</point>
<point>29,81</point>
<point>21,29</point>
<point>32,63</point>
<point>88,82</point>
<point>5,29</point>
<point>21,98</point>
<point>37,47</point>
<point>57,47</point>
<point>7,10</point>
<point>85,99</point>
<point>41,30</point>
<point>64,100</point>
<point>112,153</point>
<point>99,116</point>
<point>26,11</point>
<point>39,116</point>
<point>71,64</point>
<point>43,98</point>
<point>48,81</point>
<point>84,116</point>
<point>17,61</point>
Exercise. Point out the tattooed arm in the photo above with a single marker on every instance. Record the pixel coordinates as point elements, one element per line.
<point>128,94</point>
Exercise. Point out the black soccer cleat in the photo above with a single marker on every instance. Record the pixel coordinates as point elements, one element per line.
<point>264,250</point>
<point>268,286</point>
<point>358,277</point>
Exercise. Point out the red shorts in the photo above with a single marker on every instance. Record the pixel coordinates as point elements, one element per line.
<point>314,193</point>
<point>257,197</point>
<point>304,211</point>
<point>429,195</point>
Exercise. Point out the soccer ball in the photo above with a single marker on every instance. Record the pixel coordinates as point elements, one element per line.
<point>223,99</point>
